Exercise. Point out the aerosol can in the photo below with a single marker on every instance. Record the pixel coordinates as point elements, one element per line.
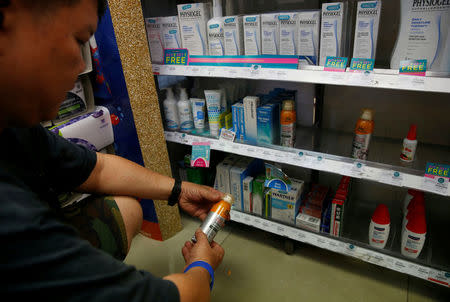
<point>216,218</point>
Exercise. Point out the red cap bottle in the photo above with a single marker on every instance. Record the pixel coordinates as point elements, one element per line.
<point>381,215</point>
<point>412,133</point>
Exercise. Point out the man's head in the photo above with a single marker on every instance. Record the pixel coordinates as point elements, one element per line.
<point>40,55</point>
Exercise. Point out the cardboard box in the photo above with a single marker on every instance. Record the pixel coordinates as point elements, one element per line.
<point>258,199</point>
<point>251,104</point>
<point>247,185</point>
<point>285,205</point>
<point>308,222</point>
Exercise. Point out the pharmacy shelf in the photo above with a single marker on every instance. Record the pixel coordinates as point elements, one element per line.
<point>380,78</point>
<point>322,161</point>
<point>337,245</point>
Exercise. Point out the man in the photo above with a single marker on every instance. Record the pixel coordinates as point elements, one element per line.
<point>42,254</point>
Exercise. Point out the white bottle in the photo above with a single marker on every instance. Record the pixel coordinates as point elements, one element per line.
<point>215,31</point>
<point>424,34</point>
<point>413,237</point>
<point>185,112</point>
<point>380,226</point>
<point>409,145</point>
<point>171,111</point>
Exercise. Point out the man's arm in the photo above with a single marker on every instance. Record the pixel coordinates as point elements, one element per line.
<point>115,175</point>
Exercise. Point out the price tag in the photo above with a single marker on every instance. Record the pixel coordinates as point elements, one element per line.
<point>281,75</point>
<point>400,266</point>
<point>281,230</point>
<point>321,242</point>
<point>318,162</point>
<point>227,135</point>
<point>436,178</point>
<point>439,277</point>
<point>232,73</point>
<point>254,72</point>
<point>354,170</point>
<point>169,136</point>
<point>211,71</point>
<point>195,70</point>
<point>172,69</point>
<point>418,271</point>
<point>361,78</point>
<point>156,69</point>
<point>391,177</point>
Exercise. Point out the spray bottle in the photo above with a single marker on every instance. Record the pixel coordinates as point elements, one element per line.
<point>185,112</point>
<point>171,111</point>
<point>363,133</point>
<point>216,218</point>
<point>409,145</point>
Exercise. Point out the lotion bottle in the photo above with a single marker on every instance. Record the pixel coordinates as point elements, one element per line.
<point>185,112</point>
<point>413,237</point>
<point>379,227</point>
<point>171,111</point>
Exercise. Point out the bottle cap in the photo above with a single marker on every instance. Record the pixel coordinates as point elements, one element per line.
<point>169,94</point>
<point>417,224</point>
<point>367,114</point>
<point>288,105</point>
<point>418,199</point>
<point>228,198</point>
<point>381,215</point>
<point>412,133</point>
<point>413,192</point>
<point>419,209</point>
<point>217,8</point>
<point>183,94</point>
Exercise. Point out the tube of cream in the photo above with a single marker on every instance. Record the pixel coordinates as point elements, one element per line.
<point>198,111</point>
<point>213,103</point>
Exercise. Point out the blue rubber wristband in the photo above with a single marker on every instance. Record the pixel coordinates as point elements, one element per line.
<point>206,266</point>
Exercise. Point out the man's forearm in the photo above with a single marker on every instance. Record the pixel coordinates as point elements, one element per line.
<point>118,176</point>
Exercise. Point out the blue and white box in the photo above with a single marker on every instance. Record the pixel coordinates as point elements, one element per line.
<point>269,124</point>
<point>285,205</point>
<point>251,104</point>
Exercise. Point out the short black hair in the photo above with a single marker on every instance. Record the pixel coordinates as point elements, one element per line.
<point>45,5</point>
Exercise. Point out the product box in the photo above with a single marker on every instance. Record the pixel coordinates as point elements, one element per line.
<point>241,169</point>
<point>252,35</point>
<point>155,45</point>
<point>338,206</point>
<point>269,124</point>
<point>366,29</point>
<point>258,200</point>
<point>270,34</point>
<point>289,29</point>
<point>235,112</point>
<point>193,19</point>
<point>247,186</point>
<point>170,32</point>
<point>333,31</point>
<point>233,30</point>
<point>223,175</point>
<point>308,222</point>
<point>267,203</point>
<point>309,36</point>
<point>251,104</point>
<point>285,205</point>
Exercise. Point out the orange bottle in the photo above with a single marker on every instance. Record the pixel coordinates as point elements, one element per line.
<point>288,120</point>
<point>363,133</point>
<point>216,218</point>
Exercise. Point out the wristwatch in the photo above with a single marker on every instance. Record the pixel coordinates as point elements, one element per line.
<point>174,197</point>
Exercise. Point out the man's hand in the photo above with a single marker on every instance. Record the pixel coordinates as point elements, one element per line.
<point>197,200</point>
<point>203,251</point>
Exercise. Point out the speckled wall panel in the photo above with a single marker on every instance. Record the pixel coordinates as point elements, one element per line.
<point>129,28</point>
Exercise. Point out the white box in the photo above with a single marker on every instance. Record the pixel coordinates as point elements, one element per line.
<point>366,29</point>
<point>309,37</point>
<point>247,186</point>
<point>308,222</point>
<point>285,205</point>
<point>270,34</point>
<point>170,32</point>
<point>223,174</point>
<point>237,175</point>
<point>154,39</point>
<point>251,103</point>
<point>193,19</point>
<point>333,29</point>
<point>289,33</point>
<point>233,30</point>
<point>252,35</point>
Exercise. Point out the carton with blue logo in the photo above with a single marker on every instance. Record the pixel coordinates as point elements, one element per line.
<point>241,169</point>
<point>269,124</point>
<point>285,204</point>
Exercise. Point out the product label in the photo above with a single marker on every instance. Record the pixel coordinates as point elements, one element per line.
<point>361,146</point>
<point>379,235</point>
<point>337,64</point>
<point>413,67</point>
<point>200,156</point>
<point>227,135</point>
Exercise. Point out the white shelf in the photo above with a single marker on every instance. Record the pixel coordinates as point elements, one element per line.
<point>382,173</point>
<point>348,249</point>
<point>387,79</point>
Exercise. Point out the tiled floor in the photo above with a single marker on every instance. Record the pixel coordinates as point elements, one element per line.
<point>257,269</point>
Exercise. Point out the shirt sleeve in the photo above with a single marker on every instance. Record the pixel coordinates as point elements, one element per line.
<point>45,258</point>
<point>68,165</point>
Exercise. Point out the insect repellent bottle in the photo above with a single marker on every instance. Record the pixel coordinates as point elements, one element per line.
<point>363,133</point>
<point>216,218</point>
<point>185,112</point>
<point>171,111</point>
<point>288,119</point>
<point>409,145</point>
<point>408,197</point>
<point>413,237</point>
<point>380,226</point>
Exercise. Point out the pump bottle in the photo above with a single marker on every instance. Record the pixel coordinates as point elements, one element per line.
<point>171,111</point>
<point>185,112</point>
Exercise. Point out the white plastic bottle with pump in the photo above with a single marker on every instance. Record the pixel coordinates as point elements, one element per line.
<point>380,226</point>
<point>185,112</point>
<point>413,237</point>
<point>171,111</point>
<point>409,145</point>
<point>216,40</point>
